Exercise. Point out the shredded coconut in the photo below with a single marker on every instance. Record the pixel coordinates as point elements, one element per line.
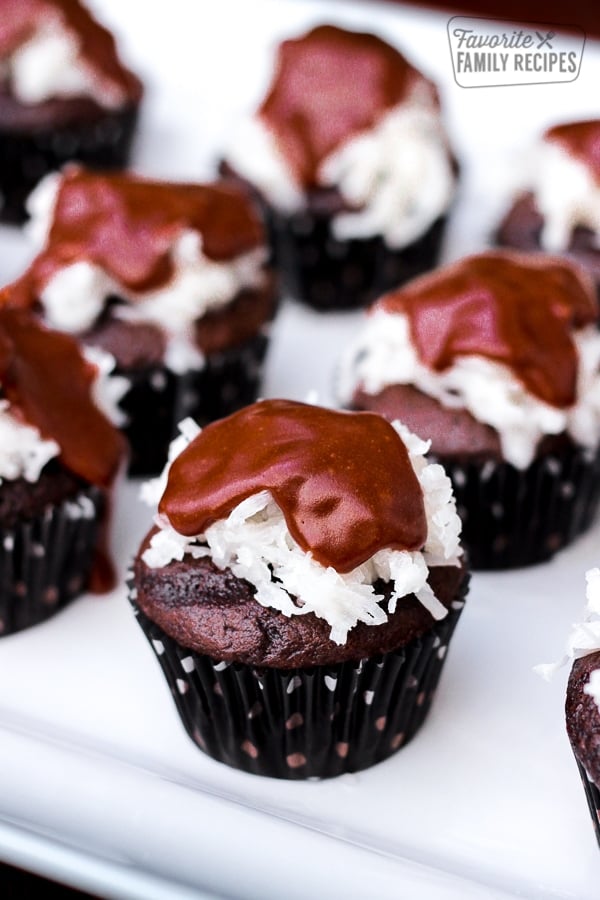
<point>75,296</point>
<point>23,451</point>
<point>398,174</point>
<point>384,354</point>
<point>255,544</point>
<point>567,195</point>
<point>50,64</point>
<point>584,637</point>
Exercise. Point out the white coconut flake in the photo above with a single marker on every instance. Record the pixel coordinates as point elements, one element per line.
<point>255,544</point>
<point>75,296</point>
<point>584,637</point>
<point>51,64</point>
<point>398,174</point>
<point>384,355</point>
<point>23,451</point>
<point>107,389</point>
<point>567,195</point>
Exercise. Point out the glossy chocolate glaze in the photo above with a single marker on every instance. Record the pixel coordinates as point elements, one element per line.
<point>127,225</point>
<point>210,611</point>
<point>516,310</point>
<point>330,85</point>
<point>581,140</point>
<point>583,716</point>
<point>20,19</point>
<point>48,382</point>
<point>344,481</point>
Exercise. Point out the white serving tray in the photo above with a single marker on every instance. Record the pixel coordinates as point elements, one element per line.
<point>99,784</point>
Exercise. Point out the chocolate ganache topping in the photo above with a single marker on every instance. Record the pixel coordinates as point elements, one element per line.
<point>20,20</point>
<point>513,309</point>
<point>580,140</point>
<point>128,226</point>
<point>49,384</point>
<point>344,481</point>
<point>330,85</point>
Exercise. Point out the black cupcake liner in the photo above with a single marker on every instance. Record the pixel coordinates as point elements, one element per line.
<point>592,795</point>
<point>103,142</point>
<point>45,562</point>
<point>514,518</point>
<point>315,722</point>
<point>159,399</point>
<point>328,274</point>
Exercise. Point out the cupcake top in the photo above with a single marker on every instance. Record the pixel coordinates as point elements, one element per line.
<point>345,110</point>
<point>145,252</point>
<point>56,49</point>
<point>317,509</point>
<point>566,182</point>
<point>508,337</point>
<point>55,403</point>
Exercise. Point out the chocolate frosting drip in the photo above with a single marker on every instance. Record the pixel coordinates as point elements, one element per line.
<point>516,310</point>
<point>330,85</point>
<point>128,225</point>
<point>20,19</point>
<point>49,384</point>
<point>344,481</point>
<point>581,140</point>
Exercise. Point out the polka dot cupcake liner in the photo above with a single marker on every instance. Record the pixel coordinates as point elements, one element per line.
<point>592,796</point>
<point>159,399</point>
<point>100,140</point>
<point>45,562</point>
<point>304,723</point>
<point>515,518</point>
<point>328,274</point>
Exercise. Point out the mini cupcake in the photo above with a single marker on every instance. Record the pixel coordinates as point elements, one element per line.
<point>349,158</point>
<point>560,210</point>
<point>168,278</point>
<point>65,95</point>
<point>582,706</point>
<point>59,455</point>
<point>300,587</point>
<point>496,360</point>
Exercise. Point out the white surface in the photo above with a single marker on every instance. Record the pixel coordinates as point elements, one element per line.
<point>99,783</point>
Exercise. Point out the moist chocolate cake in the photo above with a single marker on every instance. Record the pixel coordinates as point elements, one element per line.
<point>496,361</point>
<point>583,728</point>
<point>299,590</point>
<point>64,95</point>
<point>59,456</point>
<point>349,159</point>
<point>560,212</point>
<point>171,279</point>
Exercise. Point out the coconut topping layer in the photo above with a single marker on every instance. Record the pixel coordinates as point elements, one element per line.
<point>508,337</point>
<point>173,251</point>
<point>312,507</point>
<point>50,407</point>
<point>55,48</point>
<point>346,110</point>
<point>584,638</point>
<point>566,182</point>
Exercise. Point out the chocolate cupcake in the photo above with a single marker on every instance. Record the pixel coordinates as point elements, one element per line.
<point>495,359</point>
<point>64,95</point>
<point>59,455</point>
<point>350,161</point>
<point>559,212</point>
<point>168,278</point>
<point>300,587</point>
<point>582,706</point>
